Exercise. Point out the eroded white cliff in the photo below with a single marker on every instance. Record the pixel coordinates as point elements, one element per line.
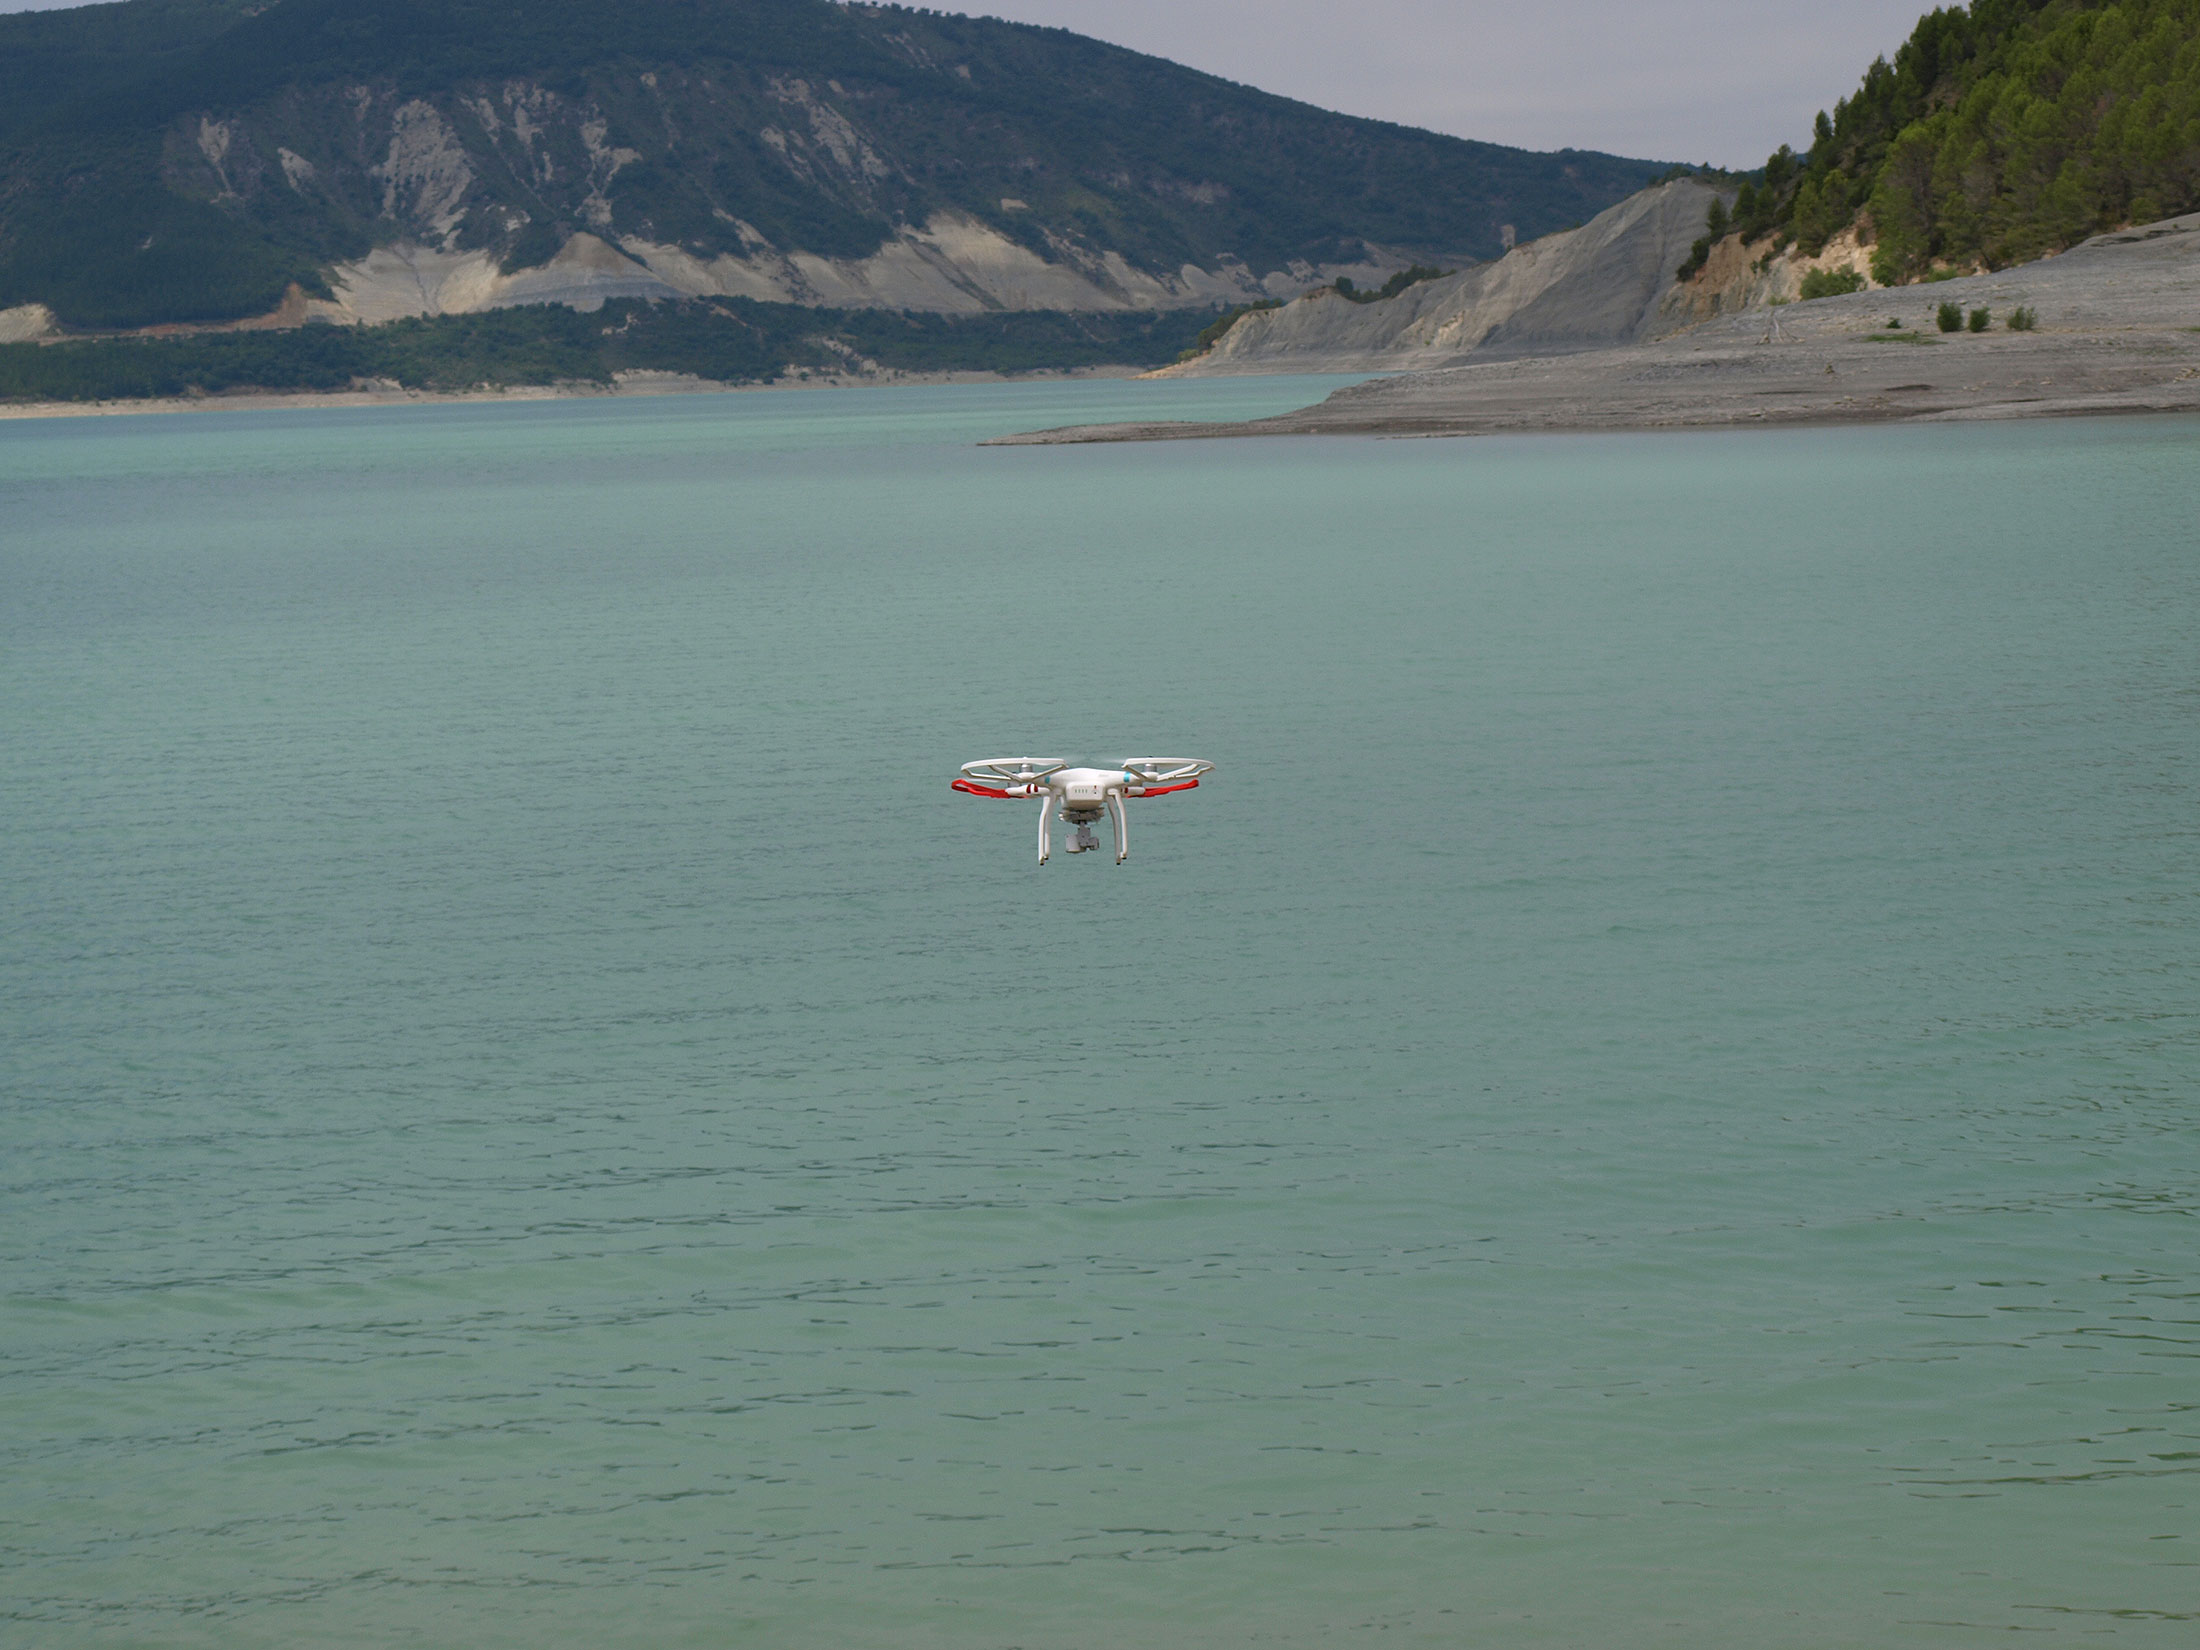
<point>949,265</point>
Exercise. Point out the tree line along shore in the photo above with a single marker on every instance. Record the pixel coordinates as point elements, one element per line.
<point>727,341</point>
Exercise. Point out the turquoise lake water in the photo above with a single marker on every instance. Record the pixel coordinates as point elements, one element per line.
<point>1649,1103</point>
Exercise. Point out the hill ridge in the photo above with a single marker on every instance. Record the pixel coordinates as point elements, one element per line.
<point>209,154</point>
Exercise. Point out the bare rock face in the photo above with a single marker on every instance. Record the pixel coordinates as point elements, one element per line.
<point>949,265</point>
<point>1593,287</point>
<point>26,324</point>
<point>408,279</point>
<point>1736,277</point>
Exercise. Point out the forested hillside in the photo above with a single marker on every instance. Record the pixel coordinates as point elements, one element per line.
<point>1998,134</point>
<point>185,160</point>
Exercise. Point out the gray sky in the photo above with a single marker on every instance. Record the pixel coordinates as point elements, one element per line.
<point>1695,80</point>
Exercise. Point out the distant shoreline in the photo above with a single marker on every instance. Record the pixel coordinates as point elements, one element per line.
<point>629,385</point>
<point>2113,326</point>
<point>1734,383</point>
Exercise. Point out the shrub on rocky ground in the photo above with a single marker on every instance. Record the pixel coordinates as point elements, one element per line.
<point>1831,283</point>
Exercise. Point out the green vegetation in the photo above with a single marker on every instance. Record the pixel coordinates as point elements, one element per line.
<point>1981,319</point>
<point>1717,221</point>
<point>1699,252</point>
<point>183,160</point>
<point>1999,134</point>
<point>2022,319</point>
<point>1949,317</point>
<point>1397,283</point>
<point>731,340</point>
<point>1831,283</point>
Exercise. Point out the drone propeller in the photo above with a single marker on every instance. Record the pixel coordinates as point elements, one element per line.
<point>1013,770</point>
<point>1165,770</point>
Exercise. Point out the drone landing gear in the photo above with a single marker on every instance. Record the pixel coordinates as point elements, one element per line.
<point>1083,841</point>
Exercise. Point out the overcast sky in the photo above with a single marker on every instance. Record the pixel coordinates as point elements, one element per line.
<point>1724,81</point>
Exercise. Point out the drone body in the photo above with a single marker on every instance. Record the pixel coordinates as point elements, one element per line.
<point>1081,794</point>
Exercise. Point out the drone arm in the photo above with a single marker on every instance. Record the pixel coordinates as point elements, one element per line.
<point>1011,771</point>
<point>1163,790</point>
<point>1166,771</point>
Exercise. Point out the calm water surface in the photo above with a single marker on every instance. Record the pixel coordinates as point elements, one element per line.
<point>1650,1103</point>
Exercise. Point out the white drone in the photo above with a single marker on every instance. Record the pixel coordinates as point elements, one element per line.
<point>1083,793</point>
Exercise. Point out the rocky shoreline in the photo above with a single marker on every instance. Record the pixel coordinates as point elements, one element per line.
<point>2118,332</point>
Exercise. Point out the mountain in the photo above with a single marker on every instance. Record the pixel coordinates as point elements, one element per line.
<point>190,160</point>
<point>1997,134</point>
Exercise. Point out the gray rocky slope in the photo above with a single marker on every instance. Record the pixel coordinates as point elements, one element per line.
<point>2118,331</point>
<point>1607,282</point>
